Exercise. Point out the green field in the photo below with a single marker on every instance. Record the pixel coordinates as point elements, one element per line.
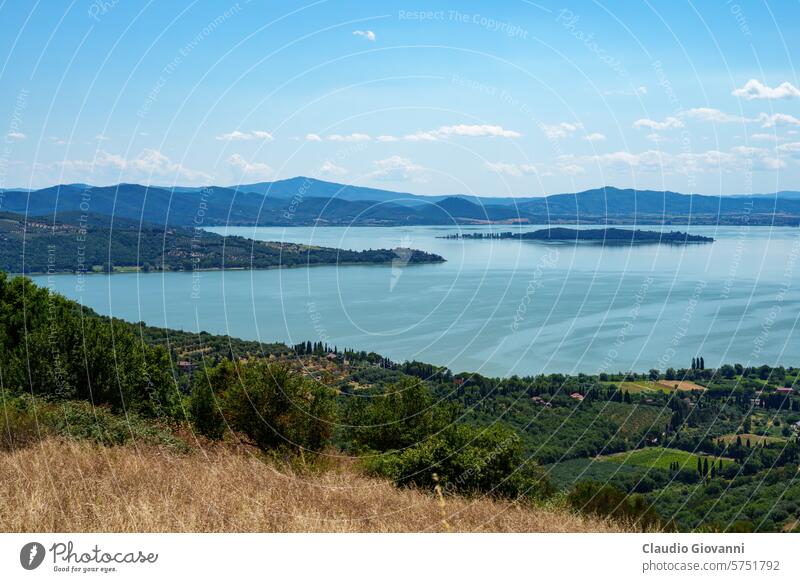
<point>660,458</point>
<point>755,439</point>
<point>566,474</point>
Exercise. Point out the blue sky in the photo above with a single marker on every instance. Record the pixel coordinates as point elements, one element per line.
<point>515,98</point>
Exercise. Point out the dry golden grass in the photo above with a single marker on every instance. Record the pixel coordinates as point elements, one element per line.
<point>63,486</point>
<point>680,385</point>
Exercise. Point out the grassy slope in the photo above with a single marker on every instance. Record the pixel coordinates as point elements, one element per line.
<point>66,485</point>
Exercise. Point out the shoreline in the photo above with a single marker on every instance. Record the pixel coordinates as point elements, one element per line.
<point>132,270</point>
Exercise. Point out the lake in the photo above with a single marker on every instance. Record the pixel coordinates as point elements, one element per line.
<point>500,307</point>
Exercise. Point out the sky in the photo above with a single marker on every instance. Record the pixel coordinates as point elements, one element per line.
<point>517,98</point>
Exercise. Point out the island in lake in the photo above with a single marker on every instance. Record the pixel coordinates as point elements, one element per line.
<point>97,243</point>
<point>595,235</point>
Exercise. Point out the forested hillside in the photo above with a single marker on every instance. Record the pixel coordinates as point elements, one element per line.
<point>95,243</point>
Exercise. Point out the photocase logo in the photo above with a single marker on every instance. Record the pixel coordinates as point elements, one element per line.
<point>31,555</point>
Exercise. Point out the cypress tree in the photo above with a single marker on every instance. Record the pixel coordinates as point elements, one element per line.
<point>705,467</point>
<point>702,363</point>
<point>694,363</point>
<point>699,465</point>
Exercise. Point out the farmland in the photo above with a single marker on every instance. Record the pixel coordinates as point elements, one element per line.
<point>644,386</point>
<point>660,458</point>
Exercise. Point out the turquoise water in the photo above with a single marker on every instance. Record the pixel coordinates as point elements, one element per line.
<point>498,307</point>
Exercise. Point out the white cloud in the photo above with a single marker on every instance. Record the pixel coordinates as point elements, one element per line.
<point>764,137</point>
<point>766,120</point>
<point>571,169</point>
<point>509,169</point>
<point>656,138</point>
<point>149,163</point>
<point>560,130</point>
<point>777,119</point>
<point>463,130</point>
<point>441,133</point>
<point>245,135</point>
<point>792,148</point>
<point>16,135</point>
<point>255,170</point>
<point>747,150</point>
<point>715,115</point>
<point>769,163</point>
<point>353,137</point>
<point>397,169</point>
<point>595,137</point>
<point>367,34</point>
<point>328,168</point>
<point>101,137</point>
<point>476,131</point>
<point>668,123</point>
<point>755,89</point>
<point>665,163</point>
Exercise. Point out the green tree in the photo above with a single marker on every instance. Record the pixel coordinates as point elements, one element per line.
<point>404,415</point>
<point>276,407</point>
<point>208,390</point>
<point>467,460</point>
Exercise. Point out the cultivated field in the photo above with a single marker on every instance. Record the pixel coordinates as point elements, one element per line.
<point>639,386</point>
<point>660,458</point>
<point>755,439</point>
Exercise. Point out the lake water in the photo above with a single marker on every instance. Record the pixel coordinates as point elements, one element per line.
<point>498,307</point>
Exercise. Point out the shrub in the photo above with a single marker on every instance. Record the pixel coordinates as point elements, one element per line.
<point>273,406</point>
<point>466,460</point>
<point>607,501</point>
<point>406,414</point>
<point>204,405</point>
<point>24,420</point>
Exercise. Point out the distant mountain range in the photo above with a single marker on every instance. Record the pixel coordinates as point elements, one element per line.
<point>306,201</point>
